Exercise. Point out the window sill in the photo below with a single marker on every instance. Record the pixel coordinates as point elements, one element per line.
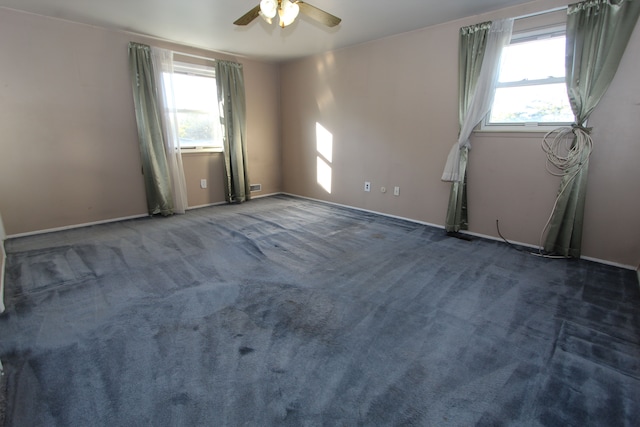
<point>520,129</point>
<point>201,150</point>
<point>489,133</point>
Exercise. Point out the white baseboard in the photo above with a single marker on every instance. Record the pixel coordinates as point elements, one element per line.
<point>483,236</point>
<point>207,205</point>
<point>527,245</point>
<point>611,263</point>
<point>260,196</point>
<point>365,210</point>
<point>71,227</point>
<point>253,196</point>
<point>107,221</point>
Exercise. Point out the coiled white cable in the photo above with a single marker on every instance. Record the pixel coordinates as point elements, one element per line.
<point>568,150</point>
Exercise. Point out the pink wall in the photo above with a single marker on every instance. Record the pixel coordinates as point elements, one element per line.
<point>70,153</point>
<point>391,106</point>
<point>69,137</point>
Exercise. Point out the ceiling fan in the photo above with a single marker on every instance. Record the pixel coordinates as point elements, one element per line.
<point>287,11</point>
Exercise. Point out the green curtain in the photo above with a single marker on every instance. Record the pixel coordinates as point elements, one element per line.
<point>230,84</point>
<point>152,148</point>
<point>472,44</point>
<point>457,218</point>
<point>598,32</point>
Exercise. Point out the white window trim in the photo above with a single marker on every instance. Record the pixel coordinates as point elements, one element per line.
<point>187,150</point>
<point>539,33</point>
<point>193,69</point>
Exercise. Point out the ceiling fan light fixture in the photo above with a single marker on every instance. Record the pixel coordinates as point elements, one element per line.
<point>265,17</point>
<point>268,9</point>
<point>288,12</point>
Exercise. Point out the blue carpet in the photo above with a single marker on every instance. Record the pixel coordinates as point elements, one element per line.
<point>284,311</point>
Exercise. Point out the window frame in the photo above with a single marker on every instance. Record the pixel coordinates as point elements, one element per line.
<point>527,35</point>
<point>187,68</point>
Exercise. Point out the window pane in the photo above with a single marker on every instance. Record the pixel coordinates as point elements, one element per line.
<point>197,129</point>
<point>195,92</point>
<point>533,60</point>
<point>527,104</point>
<point>196,101</point>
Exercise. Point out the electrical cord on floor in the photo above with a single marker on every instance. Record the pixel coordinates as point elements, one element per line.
<point>506,241</point>
<point>568,152</point>
<point>538,254</point>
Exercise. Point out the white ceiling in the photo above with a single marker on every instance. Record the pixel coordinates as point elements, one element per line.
<point>208,24</point>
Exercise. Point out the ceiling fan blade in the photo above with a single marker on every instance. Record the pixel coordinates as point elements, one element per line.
<point>318,14</point>
<point>248,17</point>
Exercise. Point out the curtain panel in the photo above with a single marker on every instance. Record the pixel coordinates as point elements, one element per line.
<point>231,95</point>
<point>472,42</point>
<point>598,32</point>
<point>162,61</point>
<point>150,135</point>
<point>480,50</point>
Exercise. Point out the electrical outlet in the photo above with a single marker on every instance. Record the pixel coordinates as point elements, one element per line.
<point>203,183</point>
<point>396,191</point>
<point>367,186</point>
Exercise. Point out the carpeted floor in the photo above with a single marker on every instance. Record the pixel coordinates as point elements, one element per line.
<point>284,311</point>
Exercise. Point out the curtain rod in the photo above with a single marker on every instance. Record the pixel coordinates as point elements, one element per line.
<point>193,56</point>
<point>530,15</point>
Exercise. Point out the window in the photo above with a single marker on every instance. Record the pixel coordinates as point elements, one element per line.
<point>531,92</point>
<point>196,101</point>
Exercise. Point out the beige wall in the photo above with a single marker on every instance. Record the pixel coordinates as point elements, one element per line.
<point>68,134</point>
<point>209,166</point>
<point>70,155</point>
<point>391,106</point>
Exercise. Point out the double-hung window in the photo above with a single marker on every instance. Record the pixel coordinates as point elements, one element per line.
<point>196,103</point>
<point>531,93</point>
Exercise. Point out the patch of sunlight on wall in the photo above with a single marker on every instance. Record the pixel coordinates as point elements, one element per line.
<point>324,142</point>
<point>324,174</point>
<point>324,147</point>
